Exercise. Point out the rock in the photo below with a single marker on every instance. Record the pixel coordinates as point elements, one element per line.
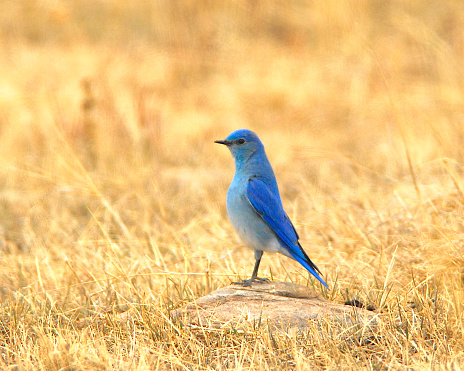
<point>280,305</point>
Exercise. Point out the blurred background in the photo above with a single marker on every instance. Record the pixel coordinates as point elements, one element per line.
<point>170,76</point>
<point>109,110</point>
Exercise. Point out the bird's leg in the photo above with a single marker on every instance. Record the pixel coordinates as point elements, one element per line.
<point>258,256</point>
<point>254,276</point>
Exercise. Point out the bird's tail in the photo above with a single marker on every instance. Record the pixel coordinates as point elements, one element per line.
<point>308,264</point>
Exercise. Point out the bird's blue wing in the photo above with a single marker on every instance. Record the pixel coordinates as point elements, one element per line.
<point>269,207</point>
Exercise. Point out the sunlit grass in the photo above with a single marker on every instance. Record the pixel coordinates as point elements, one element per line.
<point>112,192</point>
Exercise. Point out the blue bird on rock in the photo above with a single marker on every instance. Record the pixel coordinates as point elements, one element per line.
<point>255,208</point>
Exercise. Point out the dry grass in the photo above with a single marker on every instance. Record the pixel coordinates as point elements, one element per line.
<point>112,193</point>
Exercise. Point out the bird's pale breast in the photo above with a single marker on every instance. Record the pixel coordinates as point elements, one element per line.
<point>251,228</point>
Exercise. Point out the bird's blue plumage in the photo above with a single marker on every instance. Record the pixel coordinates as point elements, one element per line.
<point>254,205</point>
<point>272,212</point>
<point>270,209</point>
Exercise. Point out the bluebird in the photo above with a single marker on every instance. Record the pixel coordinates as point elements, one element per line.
<point>254,206</point>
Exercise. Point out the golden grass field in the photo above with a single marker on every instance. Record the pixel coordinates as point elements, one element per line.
<point>112,192</point>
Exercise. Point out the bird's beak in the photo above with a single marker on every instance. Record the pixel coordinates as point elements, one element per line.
<point>225,142</point>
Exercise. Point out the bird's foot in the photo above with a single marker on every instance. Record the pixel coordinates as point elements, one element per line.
<point>250,281</point>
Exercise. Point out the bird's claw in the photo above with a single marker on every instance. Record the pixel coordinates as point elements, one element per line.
<point>250,281</point>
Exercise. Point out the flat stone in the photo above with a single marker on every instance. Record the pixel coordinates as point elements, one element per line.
<point>280,305</point>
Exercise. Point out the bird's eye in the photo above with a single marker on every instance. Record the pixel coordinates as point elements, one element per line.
<point>241,141</point>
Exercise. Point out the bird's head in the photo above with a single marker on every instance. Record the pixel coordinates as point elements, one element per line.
<point>242,144</point>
